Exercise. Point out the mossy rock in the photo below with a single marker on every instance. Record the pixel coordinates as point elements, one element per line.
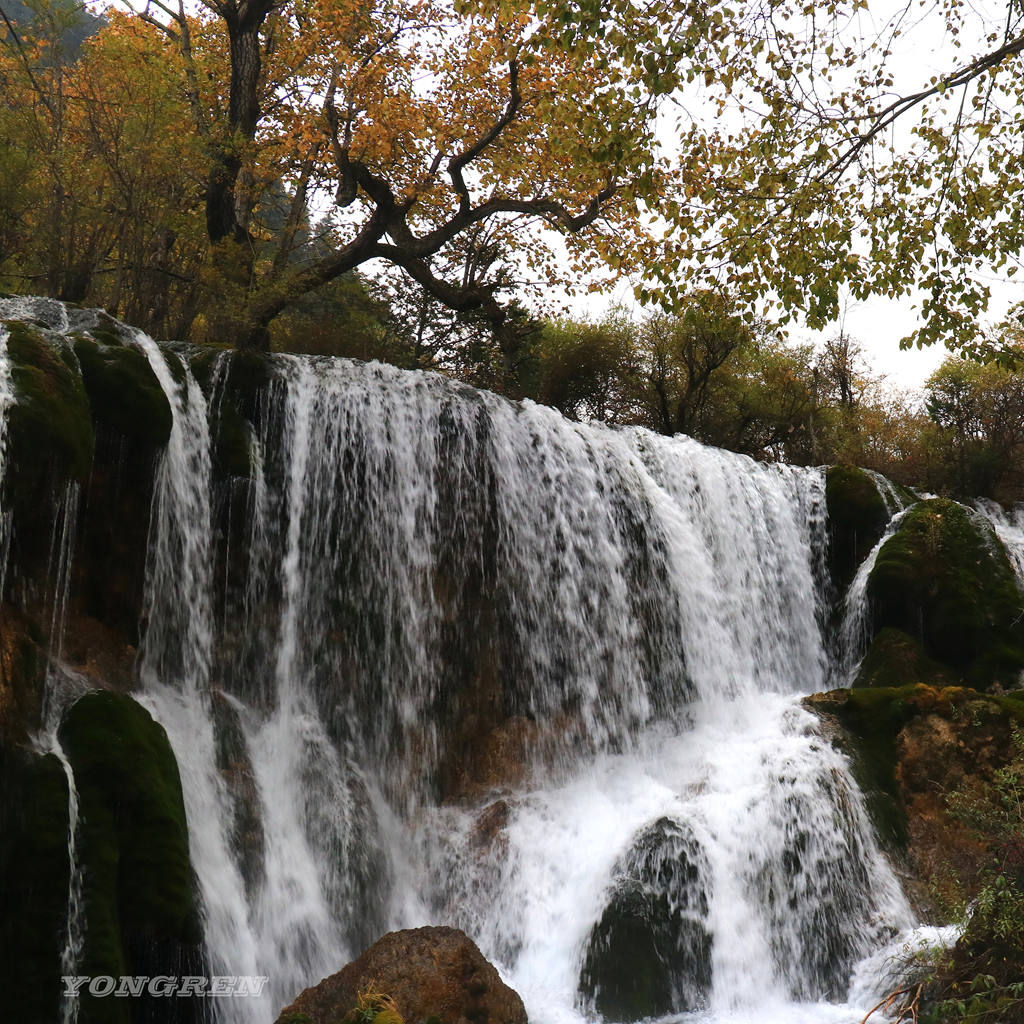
<point>857,518</point>
<point>650,954</point>
<point>871,720</point>
<point>142,914</point>
<point>896,659</point>
<point>34,894</point>
<point>235,767</point>
<point>124,393</point>
<point>945,579</point>
<point>51,420</point>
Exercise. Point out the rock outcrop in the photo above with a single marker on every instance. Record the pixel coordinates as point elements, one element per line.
<point>430,974</point>
<point>913,748</point>
<point>650,953</point>
<point>944,581</point>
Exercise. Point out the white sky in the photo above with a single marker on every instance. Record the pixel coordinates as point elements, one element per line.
<point>879,323</point>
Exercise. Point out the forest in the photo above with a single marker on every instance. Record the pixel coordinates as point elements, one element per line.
<point>117,127</point>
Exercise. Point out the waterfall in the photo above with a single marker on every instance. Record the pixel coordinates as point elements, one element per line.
<point>888,492</point>
<point>415,553</point>
<point>62,687</point>
<point>1009,528</point>
<point>855,627</point>
<point>444,658</point>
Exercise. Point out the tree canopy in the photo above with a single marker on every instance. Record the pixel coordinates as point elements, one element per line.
<point>770,149</point>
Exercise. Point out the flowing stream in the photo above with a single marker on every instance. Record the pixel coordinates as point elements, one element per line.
<point>427,604</point>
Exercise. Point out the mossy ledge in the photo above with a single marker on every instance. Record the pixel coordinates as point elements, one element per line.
<point>910,746</point>
<point>944,579</point>
<point>896,659</point>
<point>142,913</point>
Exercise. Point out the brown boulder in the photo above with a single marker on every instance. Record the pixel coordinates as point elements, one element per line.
<point>427,972</point>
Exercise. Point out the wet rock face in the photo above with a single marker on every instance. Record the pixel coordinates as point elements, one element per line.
<point>650,953</point>
<point>913,748</point>
<point>944,580</point>
<point>428,972</point>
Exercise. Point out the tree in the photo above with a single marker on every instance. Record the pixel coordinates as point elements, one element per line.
<point>589,370</point>
<point>682,354</point>
<point>824,169</point>
<point>980,410</point>
<point>799,169</point>
<point>101,204</point>
<point>423,120</point>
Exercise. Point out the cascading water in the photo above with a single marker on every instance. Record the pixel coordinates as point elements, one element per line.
<point>418,553</point>
<point>1009,528</point>
<point>854,629</point>
<point>425,598</point>
<point>6,401</point>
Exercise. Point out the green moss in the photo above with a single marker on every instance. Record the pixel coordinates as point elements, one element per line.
<point>141,910</point>
<point>857,517</point>
<point>231,448</point>
<point>871,720</point>
<point>50,422</point>
<point>945,579</point>
<point>124,393</point>
<point>896,659</point>
<point>34,869</point>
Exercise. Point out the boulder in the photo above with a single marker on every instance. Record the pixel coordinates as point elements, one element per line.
<point>650,953</point>
<point>429,974</point>
<point>857,518</point>
<point>944,579</point>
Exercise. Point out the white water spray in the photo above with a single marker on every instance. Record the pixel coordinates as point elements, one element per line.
<point>1009,527</point>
